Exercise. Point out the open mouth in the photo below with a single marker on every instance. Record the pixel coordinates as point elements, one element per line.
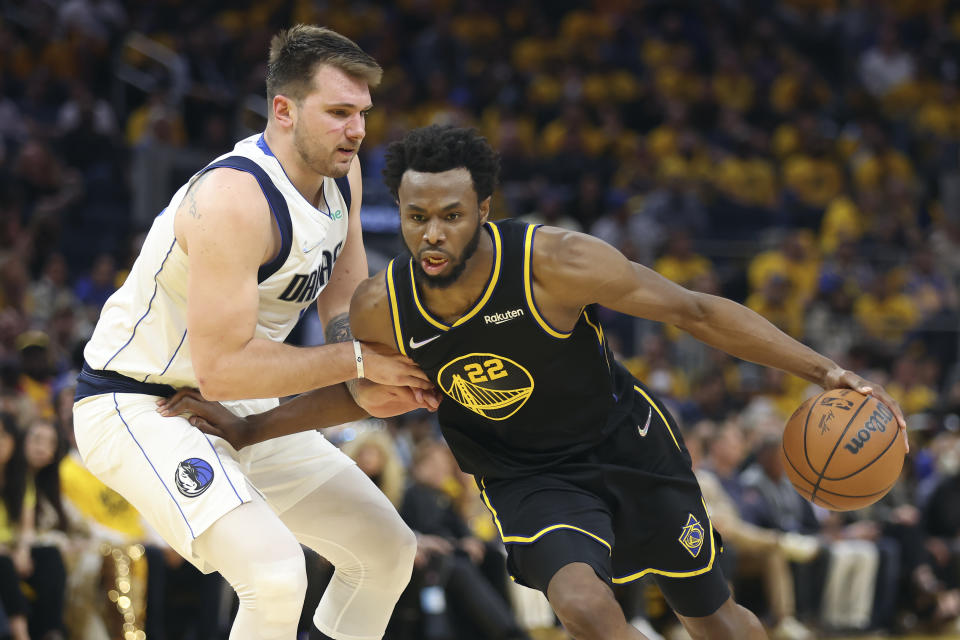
<point>433,264</point>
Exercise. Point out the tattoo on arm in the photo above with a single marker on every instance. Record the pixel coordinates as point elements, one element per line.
<point>189,202</point>
<point>338,330</point>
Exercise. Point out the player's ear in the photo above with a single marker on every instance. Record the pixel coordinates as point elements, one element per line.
<point>284,110</point>
<point>485,209</point>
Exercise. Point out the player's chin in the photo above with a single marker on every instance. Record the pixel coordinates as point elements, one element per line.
<point>339,169</point>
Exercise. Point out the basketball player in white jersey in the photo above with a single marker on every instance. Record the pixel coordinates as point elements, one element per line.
<point>245,247</point>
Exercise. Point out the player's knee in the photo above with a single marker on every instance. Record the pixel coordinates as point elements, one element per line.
<point>729,622</point>
<point>406,547</point>
<point>386,559</point>
<point>587,615</point>
<point>392,559</point>
<point>279,588</point>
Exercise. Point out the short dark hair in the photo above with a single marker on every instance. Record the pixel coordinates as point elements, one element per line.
<point>296,52</point>
<point>435,149</point>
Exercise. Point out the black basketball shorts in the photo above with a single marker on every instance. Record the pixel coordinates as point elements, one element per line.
<point>629,508</point>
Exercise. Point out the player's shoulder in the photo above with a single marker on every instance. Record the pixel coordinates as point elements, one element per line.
<point>556,247</point>
<point>232,195</point>
<point>370,293</point>
<point>227,181</point>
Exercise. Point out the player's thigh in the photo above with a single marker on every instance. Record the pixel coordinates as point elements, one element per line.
<point>180,480</point>
<point>285,470</point>
<point>347,519</point>
<point>536,564</point>
<point>696,596</point>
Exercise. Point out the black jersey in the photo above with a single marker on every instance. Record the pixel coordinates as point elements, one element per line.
<point>521,396</point>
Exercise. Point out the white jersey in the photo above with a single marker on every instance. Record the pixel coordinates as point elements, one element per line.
<point>142,331</point>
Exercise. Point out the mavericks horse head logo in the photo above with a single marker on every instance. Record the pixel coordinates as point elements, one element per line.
<point>193,477</point>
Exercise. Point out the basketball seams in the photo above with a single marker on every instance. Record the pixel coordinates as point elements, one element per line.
<point>857,496</point>
<point>893,441</point>
<point>818,500</point>
<point>786,456</point>
<point>803,435</point>
<point>836,444</point>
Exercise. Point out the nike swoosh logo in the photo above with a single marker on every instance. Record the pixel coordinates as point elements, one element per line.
<point>308,249</point>
<point>646,427</point>
<point>417,345</point>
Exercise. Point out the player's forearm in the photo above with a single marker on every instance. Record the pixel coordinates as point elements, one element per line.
<point>317,409</point>
<point>741,332</point>
<point>266,369</point>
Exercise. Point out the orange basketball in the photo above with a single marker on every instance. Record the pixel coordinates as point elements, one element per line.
<point>843,450</point>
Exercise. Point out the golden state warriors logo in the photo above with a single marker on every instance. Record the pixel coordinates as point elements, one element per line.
<point>489,385</point>
<point>691,537</point>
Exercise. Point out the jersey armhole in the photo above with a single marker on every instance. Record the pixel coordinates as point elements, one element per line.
<point>528,285</point>
<point>344,185</point>
<point>278,206</point>
<point>394,308</point>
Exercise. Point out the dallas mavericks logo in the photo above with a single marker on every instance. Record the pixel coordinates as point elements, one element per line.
<point>691,537</point>
<point>193,477</point>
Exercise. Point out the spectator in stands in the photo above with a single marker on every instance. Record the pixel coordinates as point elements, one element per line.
<point>886,66</point>
<point>93,289</point>
<point>756,551</point>
<point>771,502</point>
<point>884,311</point>
<point>376,454</point>
<point>829,325</point>
<point>36,377</point>
<point>12,599</point>
<point>448,555</point>
<point>33,492</point>
<point>779,303</point>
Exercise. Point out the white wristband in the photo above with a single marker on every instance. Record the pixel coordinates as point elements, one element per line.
<point>359,358</point>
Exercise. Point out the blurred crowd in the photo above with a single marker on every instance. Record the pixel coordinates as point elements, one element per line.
<point>799,156</point>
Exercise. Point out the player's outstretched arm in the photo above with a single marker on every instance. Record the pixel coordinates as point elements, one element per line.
<point>573,269</point>
<point>371,322</point>
<point>225,226</point>
<point>317,409</point>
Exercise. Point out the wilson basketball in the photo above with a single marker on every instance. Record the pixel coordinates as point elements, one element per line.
<point>843,450</point>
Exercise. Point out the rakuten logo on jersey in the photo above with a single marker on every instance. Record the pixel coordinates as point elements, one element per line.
<point>500,318</point>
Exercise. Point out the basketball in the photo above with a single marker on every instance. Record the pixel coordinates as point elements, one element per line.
<point>843,450</point>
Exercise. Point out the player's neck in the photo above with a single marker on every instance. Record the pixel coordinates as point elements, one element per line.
<point>450,303</point>
<point>305,180</point>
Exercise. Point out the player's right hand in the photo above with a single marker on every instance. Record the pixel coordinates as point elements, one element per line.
<point>209,417</point>
<point>384,401</point>
<point>391,368</point>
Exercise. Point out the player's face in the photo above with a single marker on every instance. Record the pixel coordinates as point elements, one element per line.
<point>330,121</point>
<point>440,220</point>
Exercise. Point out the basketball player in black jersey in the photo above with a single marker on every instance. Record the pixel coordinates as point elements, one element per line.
<point>583,470</point>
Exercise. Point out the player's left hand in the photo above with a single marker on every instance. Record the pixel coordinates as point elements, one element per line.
<point>840,378</point>
<point>384,401</point>
<point>209,417</point>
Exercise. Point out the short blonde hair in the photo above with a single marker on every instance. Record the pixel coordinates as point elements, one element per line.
<point>295,54</point>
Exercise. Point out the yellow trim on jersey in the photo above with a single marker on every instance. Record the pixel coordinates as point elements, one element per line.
<point>599,329</point>
<point>538,534</point>
<point>394,309</point>
<point>528,285</point>
<point>596,327</point>
<point>660,413</point>
<point>497,255</point>
<point>677,574</point>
